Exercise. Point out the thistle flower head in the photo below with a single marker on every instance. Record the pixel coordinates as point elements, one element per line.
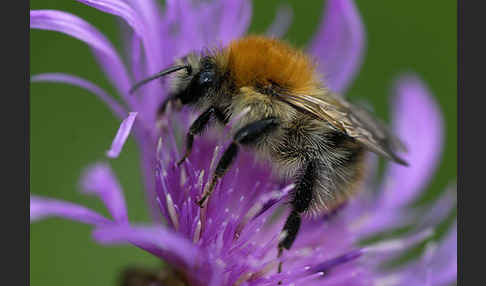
<point>233,240</point>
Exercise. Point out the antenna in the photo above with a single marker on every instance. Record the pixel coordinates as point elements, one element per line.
<point>157,75</point>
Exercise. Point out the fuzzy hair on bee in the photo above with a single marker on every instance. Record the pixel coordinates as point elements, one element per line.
<point>309,134</point>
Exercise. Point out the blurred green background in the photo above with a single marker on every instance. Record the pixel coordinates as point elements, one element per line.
<point>71,128</point>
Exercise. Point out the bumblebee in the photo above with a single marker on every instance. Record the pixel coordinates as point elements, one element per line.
<point>307,132</point>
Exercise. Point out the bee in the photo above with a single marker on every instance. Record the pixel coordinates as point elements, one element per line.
<point>308,133</point>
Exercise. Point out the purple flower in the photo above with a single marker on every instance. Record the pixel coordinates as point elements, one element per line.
<point>233,241</point>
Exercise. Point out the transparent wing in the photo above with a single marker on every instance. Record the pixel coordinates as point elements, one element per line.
<point>355,121</point>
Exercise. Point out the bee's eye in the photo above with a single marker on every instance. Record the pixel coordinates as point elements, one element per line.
<point>206,77</point>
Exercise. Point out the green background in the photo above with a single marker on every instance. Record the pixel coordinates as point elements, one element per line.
<point>71,129</point>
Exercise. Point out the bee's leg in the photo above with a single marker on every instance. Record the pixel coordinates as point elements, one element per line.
<point>165,103</point>
<point>162,120</point>
<point>300,203</point>
<point>198,126</point>
<point>247,135</point>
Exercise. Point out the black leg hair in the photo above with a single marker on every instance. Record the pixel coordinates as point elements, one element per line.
<point>300,202</point>
<point>247,135</point>
<point>198,126</point>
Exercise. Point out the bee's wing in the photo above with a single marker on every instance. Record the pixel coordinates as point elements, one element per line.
<point>355,121</point>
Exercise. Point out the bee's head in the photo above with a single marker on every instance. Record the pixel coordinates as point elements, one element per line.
<point>190,79</point>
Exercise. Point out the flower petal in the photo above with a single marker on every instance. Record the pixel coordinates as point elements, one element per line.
<point>282,21</point>
<point>440,209</point>
<point>117,109</point>
<point>100,180</point>
<point>438,265</point>
<point>430,215</point>
<point>150,237</point>
<point>327,265</point>
<point>149,13</point>
<point>236,16</point>
<point>339,44</point>
<point>444,263</point>
<point>389,249</point>
<point>122,135</point>
<point>134,51</point>
<point>44,207</point>
<point>118,8</point>
<point>133,18</point>
<point>78,28</point>
<point>181,18</point>
<point>422,135</point>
